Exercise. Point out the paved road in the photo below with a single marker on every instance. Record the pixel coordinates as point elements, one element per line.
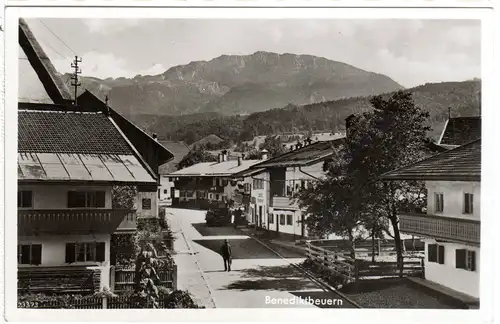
<point>258,278</point>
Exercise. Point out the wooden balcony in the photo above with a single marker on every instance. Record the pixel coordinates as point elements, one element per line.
<point>441,227</point>
<point>284,202</point>
<point>69,221</point>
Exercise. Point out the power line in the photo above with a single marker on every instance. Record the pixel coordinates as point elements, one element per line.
<point>58,37</point>
<point>52,48</point>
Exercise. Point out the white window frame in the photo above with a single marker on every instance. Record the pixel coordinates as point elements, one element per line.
<point>438,202</point>
<point>471,203</point>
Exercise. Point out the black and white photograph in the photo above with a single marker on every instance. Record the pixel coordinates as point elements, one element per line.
<point>239,163</point>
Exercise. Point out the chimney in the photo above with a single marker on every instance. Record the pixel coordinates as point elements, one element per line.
<point>264,154</point>
<point>155,137</point>
<point>224,156</point>
<point>219,158</point>
<point>239,160</point>
<point>242,156</point>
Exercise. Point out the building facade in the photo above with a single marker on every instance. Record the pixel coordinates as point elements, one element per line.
<point>451,223</point>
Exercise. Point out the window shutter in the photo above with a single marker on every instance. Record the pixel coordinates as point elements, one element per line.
<point>70,252</point>
<point>460,258</point>
<point>473,260</point>
<point>100,199</point>
<point>441,254</point>
<point>36,254</point>
<point>100,252</point>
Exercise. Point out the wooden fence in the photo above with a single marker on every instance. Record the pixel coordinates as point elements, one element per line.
<point>352,269</point>
<point>122,278</point>
<point>338,262</point>
<point>381,247</point>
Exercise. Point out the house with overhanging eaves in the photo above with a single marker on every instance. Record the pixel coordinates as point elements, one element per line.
<point>70,156</point>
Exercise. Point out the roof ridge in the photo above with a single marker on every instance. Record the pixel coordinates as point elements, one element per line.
<point>433,157</point>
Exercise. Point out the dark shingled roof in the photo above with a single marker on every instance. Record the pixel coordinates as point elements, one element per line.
<point>461,130</point>
<point>460,164</point>
<point>304,155</point>
<point>69,132</point>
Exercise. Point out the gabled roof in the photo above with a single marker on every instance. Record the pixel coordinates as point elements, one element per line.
<point>65,145</point>
<point>150,149</point>
<point>212,139</point>
<point>210,169</point>
<point>459,164</point>
<point>461,130</point>
<point>51,80</point>
<point>303,156</point>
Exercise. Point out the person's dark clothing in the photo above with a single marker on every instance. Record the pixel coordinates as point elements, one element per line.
<point>226,255</point>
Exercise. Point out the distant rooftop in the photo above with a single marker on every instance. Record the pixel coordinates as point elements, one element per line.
<point>459,164</point>
<point>207,169</point>
<point>179,149</point>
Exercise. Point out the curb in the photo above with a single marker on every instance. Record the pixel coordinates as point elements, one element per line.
<point>193,253</point>
<point>312,277</point>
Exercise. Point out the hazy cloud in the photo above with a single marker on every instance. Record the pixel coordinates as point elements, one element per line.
<point>411,52</point>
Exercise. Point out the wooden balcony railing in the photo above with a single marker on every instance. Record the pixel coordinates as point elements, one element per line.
<point>69,221</point>
<point>441,227</point>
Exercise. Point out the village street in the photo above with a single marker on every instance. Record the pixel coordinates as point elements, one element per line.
<point>257,272</point>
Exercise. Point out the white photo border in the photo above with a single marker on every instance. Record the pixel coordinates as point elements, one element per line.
<point>489,182</point>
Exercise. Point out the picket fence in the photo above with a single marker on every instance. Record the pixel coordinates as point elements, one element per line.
<point>122,278</point>
<point>119,302</point>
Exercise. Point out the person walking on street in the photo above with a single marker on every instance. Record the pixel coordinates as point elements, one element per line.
<point>226,255</point>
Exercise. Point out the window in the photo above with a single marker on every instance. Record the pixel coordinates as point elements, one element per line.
<point>85,252</point>
<point>216,197</point>
<point>271,218</point>
<point>435,253</point>
<point>438,202</point>
<point>258,183</point>
<point>282,219</point>
<point>25,199</point>
<point>165,191</point>
<point>247,187</point>
<point>468,203</point>
<point>146,203</point>
<point>29,254</point>
<point>289,219</point>
<point>86,199</point>
<point>465,259</point>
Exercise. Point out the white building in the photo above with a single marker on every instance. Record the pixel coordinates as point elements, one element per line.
<point>179,149</point>
<point>69,158</point>
<point>451,225</point>
<point>276,180</point>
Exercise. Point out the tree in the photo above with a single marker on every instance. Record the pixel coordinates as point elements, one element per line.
<point>196,156</point>
<point>352,196</point>
<point>273,145</point>
<point>146,277</point>
<point>123,197</point>
<point>391,136</point>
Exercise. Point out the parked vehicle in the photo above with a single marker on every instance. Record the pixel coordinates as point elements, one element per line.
<point>218,216</point>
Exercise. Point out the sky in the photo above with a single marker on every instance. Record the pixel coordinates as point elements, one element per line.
<point>411,52</point>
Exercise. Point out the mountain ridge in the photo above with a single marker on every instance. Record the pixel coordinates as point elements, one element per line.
<point>239,84</point>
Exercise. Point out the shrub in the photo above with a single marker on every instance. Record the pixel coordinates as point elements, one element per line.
<point>180,299</point>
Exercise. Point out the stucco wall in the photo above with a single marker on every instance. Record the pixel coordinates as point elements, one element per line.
<point>153,212</point>
<point>165,184</point>
<point>261,197</point>
<point>56,196</point>
<point>54,251</point>
<point>448,275</point>
<point>453,196</point>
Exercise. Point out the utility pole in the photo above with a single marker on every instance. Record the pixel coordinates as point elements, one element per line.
<point>75,83</point>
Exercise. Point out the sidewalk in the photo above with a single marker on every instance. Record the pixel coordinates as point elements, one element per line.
<point>189,274</point>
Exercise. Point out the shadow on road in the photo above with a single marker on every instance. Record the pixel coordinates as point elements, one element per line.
<point>283,278</point>
<point>205,230</point>
<point>245,248</point>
